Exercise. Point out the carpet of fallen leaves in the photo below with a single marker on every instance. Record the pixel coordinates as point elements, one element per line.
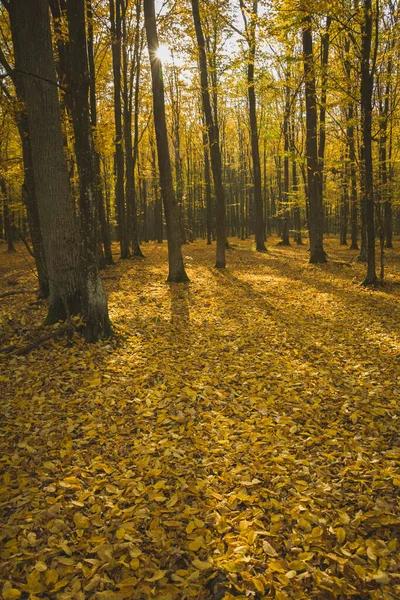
<point>237,438</point>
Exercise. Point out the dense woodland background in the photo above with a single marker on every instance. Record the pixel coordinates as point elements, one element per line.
<point>263,118</point>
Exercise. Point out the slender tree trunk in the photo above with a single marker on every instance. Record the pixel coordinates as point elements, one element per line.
<point>177,271</point>
<point>250,26</point>
<point>104,228</point>
<point>116,34</point>
<point>130,153</point>
<point>8,225</point>
<point>344,205</point>
<point>317,254</point>
<point>215,154</point>
<point>366,151</point>
<point>207,178</point>
<point>295,189</point>
<point>286,144</point>
<point>322,110</point>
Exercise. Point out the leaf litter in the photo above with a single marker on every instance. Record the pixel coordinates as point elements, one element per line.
<point>237,438</point>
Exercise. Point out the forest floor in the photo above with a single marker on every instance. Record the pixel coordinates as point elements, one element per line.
<point>237,438</point>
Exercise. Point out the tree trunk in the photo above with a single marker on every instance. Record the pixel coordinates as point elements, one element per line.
<point>130,152</point>
<point>250,27</point>
<point>208,188</point>
<point>8,226</point>
<point>285,217</point>
<point>70,291</point>
<point>115,19</point>
<point>94,298</point>
<point>215,152</point>
<point>177,271</point>
<point>317,254</point>
<point>366,150</point>
<point>104,228</point>
<point>322,109</point>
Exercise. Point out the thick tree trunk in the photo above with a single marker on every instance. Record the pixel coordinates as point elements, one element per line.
<point>215,153</point>
<point>30,25</point>
<point>176,267</point>
<point>317,254</point>
<point>366,125</point>
<point>71,292</point>
<point>94,298</point>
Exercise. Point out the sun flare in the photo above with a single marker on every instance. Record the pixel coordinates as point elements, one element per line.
<point>164,53</point>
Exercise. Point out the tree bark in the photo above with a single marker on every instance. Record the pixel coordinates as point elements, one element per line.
<point>317,253</point>
<point>177,271</point>
<point>69,288</point>
<point>215,153</point>
<point>104,228</point>
<point>116,33</point>
<point>250,28</point>
<point>367,82</point>
<point>94,298</point>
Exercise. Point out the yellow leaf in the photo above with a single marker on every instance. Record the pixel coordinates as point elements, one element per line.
<point>173,500</point>
<point>258,584</point>
<point>157,576</point>
<point>360,571</point>
<point>190,527</point>
<point>51,576</point>
<point>340,535</point>
<point>81,521</point>
<point>134,564</point>
<point>233,567</point>
<point>10,593</point>
<point>120,533</point>
<point>202,565</point>
<point>268,549</point>
<point>40,566</point>
<point>381,577</point>
<point>196,544</point>
<point>275,565</point>
<point>33,584</point>
<point>304,524</point>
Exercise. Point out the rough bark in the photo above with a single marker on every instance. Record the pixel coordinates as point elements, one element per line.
<point>34,58</point>
<point>177,271</point>
<point>93,296</point>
